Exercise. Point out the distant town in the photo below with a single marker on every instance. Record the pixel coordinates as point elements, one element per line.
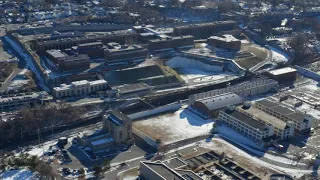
<point>160,89</point>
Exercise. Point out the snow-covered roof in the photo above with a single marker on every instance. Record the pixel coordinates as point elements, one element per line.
<point>221,101</point>
<point>282,71</point>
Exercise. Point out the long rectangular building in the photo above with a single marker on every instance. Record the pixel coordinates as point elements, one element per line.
<point>204,30</point>
<point>246,125</point>
<point>303,122</point>
<point>78,88</point>
<point>282,129</point>
<point>123,37</point>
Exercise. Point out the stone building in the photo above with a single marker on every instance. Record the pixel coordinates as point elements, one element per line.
<point>119,126</point>
<point>78,88</point>
<point>227,42</point>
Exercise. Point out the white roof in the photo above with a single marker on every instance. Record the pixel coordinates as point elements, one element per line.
<point>282,71</point>
<point>221,101</point>
<point>78,83</point>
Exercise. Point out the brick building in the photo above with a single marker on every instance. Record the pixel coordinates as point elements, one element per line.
<point>68,63</point>
<point>226,41</point>
<point>116,52</point>
<point>171,43</point>
<point>204,30</point>
<point>122,36</point>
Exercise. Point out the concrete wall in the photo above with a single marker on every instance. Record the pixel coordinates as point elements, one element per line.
<point>146,138</point>
<point>157,110</point>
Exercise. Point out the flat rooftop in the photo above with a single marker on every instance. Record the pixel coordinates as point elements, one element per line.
<point>264,117</point>
<point>163,171</point>
<point>277,107</point>
<point>282,71</point>
<point>245,119</point>
<point>56,53</point>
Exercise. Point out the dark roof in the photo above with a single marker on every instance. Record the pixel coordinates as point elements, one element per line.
<point>163,170</point>
<point>246,119</point>
<point>174,163</point>
<point>297,116</point>
<point>282,110</point>
<point>267,103</point>
<point>188,175</point>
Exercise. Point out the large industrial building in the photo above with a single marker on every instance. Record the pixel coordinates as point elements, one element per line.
<point>204,30</point>
<point>210,107</point>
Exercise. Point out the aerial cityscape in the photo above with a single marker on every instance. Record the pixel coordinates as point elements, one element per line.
<point>160,89</point>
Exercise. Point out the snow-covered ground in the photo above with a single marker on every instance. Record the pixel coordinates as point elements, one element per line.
<point>277,55</point>
<point>232,150</point>
<point>175,126</point>
<point>29,63</point>
<point>18,83</point>
<point>194,71</point>
<point>21,174</point>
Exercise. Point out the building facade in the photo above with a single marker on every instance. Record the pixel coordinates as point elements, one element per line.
<point>204,30</point>
<point>123,37</point>
<point>282,129</point>
<point>210,107</point>
<point>68,63</point>
<point>78,88</point>
<point>119,126</point>
<point>246,125</point>
<point>303,122</point>
<point>116,52</point>
<point>10,102</point>
<point>227,42</point>
<point>171,43</point>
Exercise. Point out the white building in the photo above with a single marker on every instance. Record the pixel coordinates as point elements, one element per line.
<point>282,129</point>
<point>78,88</point>
<point>302,121</point>
<point>246,125</point>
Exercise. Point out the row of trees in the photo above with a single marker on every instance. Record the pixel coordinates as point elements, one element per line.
<point>30,121</point>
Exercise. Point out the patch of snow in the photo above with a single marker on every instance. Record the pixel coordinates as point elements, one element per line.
<point>233,135</point>
<point>20,174</point>
<point>173,127</point>
<point>18,83</point>
<point>129,177</point>
<point>30,65</point>
<point>229,147</point>
<point>277,55</point>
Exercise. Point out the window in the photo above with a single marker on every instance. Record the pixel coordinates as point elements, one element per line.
<point>120,134</point>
